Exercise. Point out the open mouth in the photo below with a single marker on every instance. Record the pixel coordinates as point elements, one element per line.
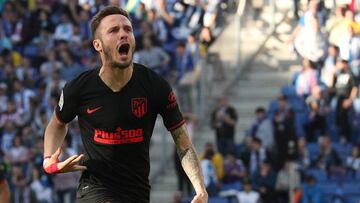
<point>124,49</point>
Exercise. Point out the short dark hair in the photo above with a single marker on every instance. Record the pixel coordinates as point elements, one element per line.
<point>257,140</point>
<point>109,10</point>
<point>260,110</point>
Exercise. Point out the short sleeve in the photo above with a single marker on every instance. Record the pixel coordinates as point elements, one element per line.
<point>66,110</point>
<point>168,106</point>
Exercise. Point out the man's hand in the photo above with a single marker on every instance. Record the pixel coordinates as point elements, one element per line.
<point>52,165</point>
<point>200,198</point>
<point>347,103</point>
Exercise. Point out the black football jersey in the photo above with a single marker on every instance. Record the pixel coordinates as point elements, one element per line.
<point>116,127</point>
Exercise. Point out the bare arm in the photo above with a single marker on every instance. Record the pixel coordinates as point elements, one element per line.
<point>54,136</point>
<point>190,162</point>
<point>353,93</point>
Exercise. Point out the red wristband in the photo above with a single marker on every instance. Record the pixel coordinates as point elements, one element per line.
<point>52,169</point>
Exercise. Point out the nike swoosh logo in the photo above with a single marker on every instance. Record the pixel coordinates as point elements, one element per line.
<point>90,111</point>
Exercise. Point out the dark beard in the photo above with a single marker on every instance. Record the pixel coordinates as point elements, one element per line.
<point>115,64</point>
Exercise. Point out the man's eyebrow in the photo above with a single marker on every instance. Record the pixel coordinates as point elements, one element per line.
<point>113,27</point>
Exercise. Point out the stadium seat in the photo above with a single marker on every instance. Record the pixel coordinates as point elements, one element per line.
<point>351,188</point>
<point>313,149</point>
<point>320,175</point>
<point>232,186</point>
<point>357,176</point>
<point>353,199</point>
<point>219,200</point>
<point>289,91</point>
<point>330,189</point>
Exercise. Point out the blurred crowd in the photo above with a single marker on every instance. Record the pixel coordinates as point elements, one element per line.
<point>305,147</point>
<point>45,43</point>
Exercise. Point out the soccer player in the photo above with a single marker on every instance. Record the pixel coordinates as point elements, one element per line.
<point>117,105</point>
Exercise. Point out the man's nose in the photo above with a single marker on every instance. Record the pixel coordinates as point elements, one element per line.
<point>123,34</point>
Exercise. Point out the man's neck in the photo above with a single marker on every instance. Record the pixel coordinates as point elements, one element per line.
<point>116,78</point>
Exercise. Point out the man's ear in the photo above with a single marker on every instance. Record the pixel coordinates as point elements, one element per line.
<point>97,45</point>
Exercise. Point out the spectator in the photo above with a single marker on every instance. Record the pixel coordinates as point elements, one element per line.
<point>248,195</point>
<point>157,25</point>
<point>50,65</point>
<point>3,97</point>
<point>350,50</point>
<point>22,192</point>
<point>328,158</point>
<point>223,121</point>
<point>184,68</point>
<point>346,91</point>
<point>217,160</point>
<point>307,79</point>
<point>42,192</point>
<point>335,26</point>
<point>211,13</point>
<point>18,153</point>
<point>184,63</point>
<point>262,128</point>
<point>234,169</point>
<point>264,182</point>
<point>27,73</point>
<point>258,155</point>
<point>209,173</point>
<point>12,115</point>
<point>22,96</point>
<point>70,69</point>
<point>306,20</point>
<point>288,179</point>
<point>153,57</point>
<point>311,191</point>
<point>317,117</point>
<point>310,42</point>
<point>64,30</point>
<point>329,69</point>
<point>353,161</point>
<point>206,39</point>
<point>193,48</point>
<point>65,184</point>
<point>284,133</point>
<point>303,159</point>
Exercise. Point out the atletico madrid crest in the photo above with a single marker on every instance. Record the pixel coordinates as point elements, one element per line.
<point>139,106</point>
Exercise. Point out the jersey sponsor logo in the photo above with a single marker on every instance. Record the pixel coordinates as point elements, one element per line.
<point>91,111</point>
<point>172,101</point>
<point>139,106</point>
<point>120,136</point>
<point>61,100</point>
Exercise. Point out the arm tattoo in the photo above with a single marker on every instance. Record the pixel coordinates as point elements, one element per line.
<point>187,153</point>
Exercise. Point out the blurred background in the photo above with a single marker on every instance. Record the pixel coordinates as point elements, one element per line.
<point>269,90</point>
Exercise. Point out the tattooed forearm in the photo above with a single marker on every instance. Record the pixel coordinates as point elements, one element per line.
<point>188,157</point>
<point>191,164</point>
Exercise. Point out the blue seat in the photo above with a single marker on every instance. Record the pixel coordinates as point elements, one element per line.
<point>330,188</point>
<point>314,150</point>
<point>211,200</point>
<point>351,188</point>
<point>357,176</point>
<point>353,198</point>
<point>186,199</point>
<point>232,186</point>
<point>218,200</point>
<point>320,175</point>
<point>289,91</point>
